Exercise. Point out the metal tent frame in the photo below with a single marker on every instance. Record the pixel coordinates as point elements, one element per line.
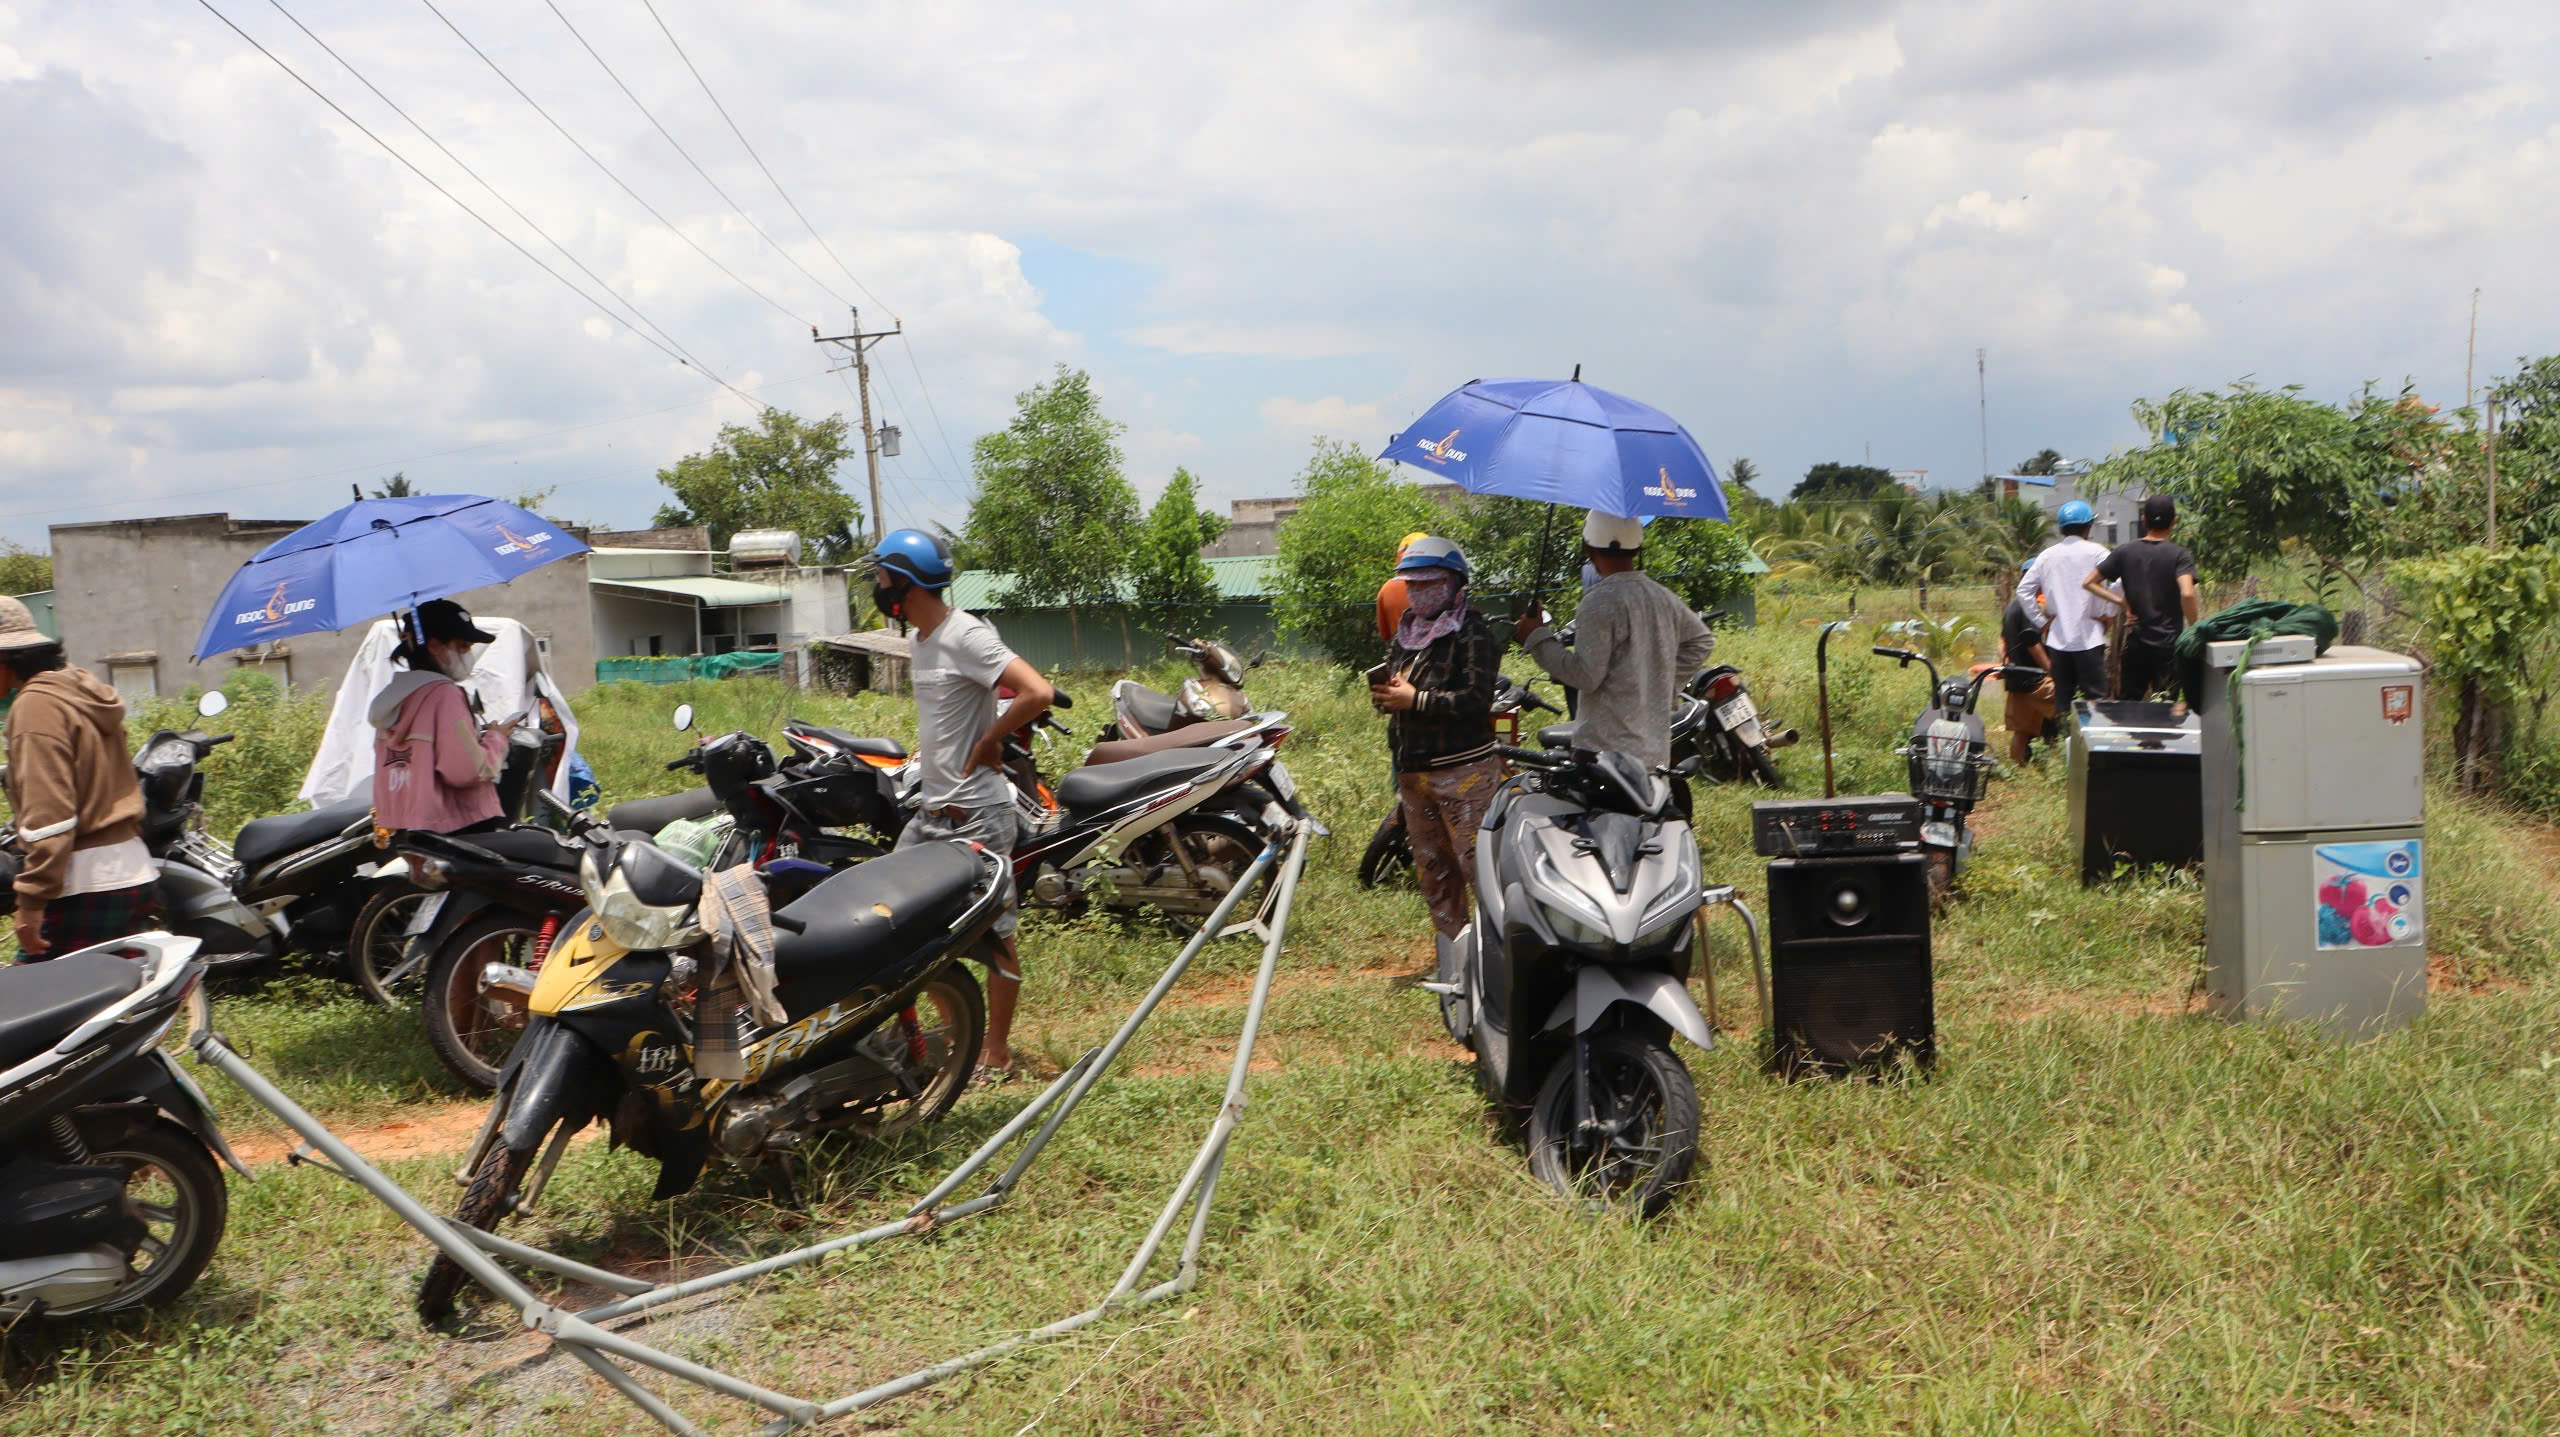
<point>583,1335</point>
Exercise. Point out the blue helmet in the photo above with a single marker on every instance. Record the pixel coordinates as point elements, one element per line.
<point>921,557</point>
<point>2076,512</point>
<point>1432,552</point>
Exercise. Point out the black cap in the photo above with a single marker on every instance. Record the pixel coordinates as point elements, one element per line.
<point>445,619</point>
<point>2159,512</point>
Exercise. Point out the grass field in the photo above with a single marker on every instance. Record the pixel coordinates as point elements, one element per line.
<point>2105,1211</point>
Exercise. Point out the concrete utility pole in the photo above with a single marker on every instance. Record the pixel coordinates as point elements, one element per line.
<point>860,344</point>
<point>2470,349</point>
<point>1982,397</point>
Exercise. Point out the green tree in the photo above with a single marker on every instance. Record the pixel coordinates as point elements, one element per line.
<point>781,474</point>
<point>395,487</point>
<point>24,570</point>
<point>1705,562</point>
<point>1745,507</point>
<point>1052,508</point>
<point>2045,461</point>
<point>1172,582</point>
<point>1842,481</point>
<point>2257,469</point>
<point>1340,546</point>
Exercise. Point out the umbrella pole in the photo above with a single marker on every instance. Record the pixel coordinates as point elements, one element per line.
<point>1538,576</point>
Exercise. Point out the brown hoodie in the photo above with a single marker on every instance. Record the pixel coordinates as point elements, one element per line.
<point>71,783</point>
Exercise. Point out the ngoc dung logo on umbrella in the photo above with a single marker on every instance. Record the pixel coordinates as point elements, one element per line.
<point>276,610</point>
<point>1671,495</point>
<point>1445,451</point>
<point>518,543</point>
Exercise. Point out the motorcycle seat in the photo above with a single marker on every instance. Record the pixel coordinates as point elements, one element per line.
<point>537,847</point>
<point>857,743</point>
<point>1199,735</point>
<point>1559,735</point>
<point>40,1002</point>
<point>871,916</point>
<point>1147,709</point>
<point>1091,790</point>
<point>264,840</point>
<point>648,815</point>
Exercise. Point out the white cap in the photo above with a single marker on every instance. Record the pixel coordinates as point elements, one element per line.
<point>1608,531</point>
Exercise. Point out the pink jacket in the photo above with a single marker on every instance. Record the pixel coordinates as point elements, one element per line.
<point>434,768</point>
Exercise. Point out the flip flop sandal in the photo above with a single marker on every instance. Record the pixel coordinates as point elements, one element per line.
<point>987,1075</point>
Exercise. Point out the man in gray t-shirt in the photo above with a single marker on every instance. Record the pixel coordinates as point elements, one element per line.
<point>958,661</point>
<point>1635,647</point>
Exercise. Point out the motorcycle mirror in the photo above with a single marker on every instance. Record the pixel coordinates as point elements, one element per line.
<point>1687,767</point>
<point>1259,659</point>
<point>684,717</point>
<point>213,702</point>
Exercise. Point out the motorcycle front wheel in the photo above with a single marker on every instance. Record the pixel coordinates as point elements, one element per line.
<point>1389,858</point>
<point>472,1034</point>
<point>1644,1137</point>
<point>493,1185</point>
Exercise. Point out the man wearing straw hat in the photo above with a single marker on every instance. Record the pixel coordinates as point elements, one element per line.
<point>86,878</point>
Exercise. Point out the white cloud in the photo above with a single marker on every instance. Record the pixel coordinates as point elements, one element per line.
<point>1761,216</point>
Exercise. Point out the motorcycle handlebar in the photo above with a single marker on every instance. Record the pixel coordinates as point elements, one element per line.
<point>1884,652</point>
<point>786,923</point>
<point>218,740</point>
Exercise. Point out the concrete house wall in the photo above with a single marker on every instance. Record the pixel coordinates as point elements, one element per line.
<point>131,596</point>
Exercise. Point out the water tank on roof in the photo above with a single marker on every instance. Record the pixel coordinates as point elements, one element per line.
<point>764,549</point>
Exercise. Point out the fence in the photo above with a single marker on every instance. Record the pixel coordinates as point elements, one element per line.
<point>677,668</point>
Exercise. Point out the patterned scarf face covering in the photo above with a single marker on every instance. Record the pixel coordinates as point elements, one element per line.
<point>1434,608</point>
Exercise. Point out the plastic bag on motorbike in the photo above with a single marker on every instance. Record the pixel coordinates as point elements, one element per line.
<point>694,841</point>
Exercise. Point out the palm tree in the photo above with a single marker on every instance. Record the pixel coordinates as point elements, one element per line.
<point>2012,533</point>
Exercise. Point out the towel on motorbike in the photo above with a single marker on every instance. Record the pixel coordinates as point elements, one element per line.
<point>736,913</point>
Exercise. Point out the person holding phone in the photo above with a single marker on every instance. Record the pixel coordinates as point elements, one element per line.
<point>435,765</point>
<point>1437,688</point>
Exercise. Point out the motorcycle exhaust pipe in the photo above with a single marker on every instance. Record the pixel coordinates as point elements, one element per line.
<point>506,983</point>
<point>1783,740</point>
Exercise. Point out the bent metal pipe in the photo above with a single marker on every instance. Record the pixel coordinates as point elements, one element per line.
<point>584,1339</point>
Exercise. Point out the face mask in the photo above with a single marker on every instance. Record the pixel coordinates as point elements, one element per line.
<point>1429,598</point>
<point>886,599</point>
<point>454,663</point>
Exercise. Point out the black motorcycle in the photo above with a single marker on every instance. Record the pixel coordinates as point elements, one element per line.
<point>111,1193</point>
<point>313,883</point>
<point>882,1027</point>
<point>498,901</point>
<point>1949,763</point>
<point>1731,739</point>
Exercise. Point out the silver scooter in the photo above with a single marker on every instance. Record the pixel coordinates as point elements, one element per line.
<point>1572,979</point>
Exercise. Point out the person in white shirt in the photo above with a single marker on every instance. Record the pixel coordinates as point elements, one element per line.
<point>2077,640</point>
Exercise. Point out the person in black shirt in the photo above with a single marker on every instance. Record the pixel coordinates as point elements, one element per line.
<point>2030,706</point>
<point>2156,584</point>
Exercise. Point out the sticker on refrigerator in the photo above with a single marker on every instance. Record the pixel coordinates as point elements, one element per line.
<point>2398,702</point>
<point>2368,895</point>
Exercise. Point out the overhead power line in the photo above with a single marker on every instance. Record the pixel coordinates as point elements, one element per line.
<point>460,203</point>
<point>429,137</point>
<point>672,228</point>
<point>645,113</point>
<point>760,164</point>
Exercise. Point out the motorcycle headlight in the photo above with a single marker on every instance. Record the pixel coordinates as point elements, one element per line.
<point>628,921</point>
<point>1574,930</point>
<point>1667,934</point>
<point>167,754</point>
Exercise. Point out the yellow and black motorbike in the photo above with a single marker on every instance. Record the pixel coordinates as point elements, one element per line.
<point>883,1023</point>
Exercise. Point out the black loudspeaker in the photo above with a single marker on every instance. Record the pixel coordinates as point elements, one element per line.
<point>1849,963</point>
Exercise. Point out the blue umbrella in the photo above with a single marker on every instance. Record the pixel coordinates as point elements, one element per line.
<point>375,557</point>
<point>1563,442</point>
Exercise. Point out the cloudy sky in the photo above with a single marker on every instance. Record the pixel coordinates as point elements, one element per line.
<point>1789,222</point>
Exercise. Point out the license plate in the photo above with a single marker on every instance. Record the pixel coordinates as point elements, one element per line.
<point>425,917</point>
<point>1737,711</point>
<point>1282,784</point>
<point>1941,834</point>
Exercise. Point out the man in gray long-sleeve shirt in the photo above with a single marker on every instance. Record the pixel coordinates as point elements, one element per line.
<point>1636,646</point>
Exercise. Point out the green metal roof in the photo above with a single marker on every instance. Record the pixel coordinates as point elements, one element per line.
<point>709,593</point>
<point>1250,576</point>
